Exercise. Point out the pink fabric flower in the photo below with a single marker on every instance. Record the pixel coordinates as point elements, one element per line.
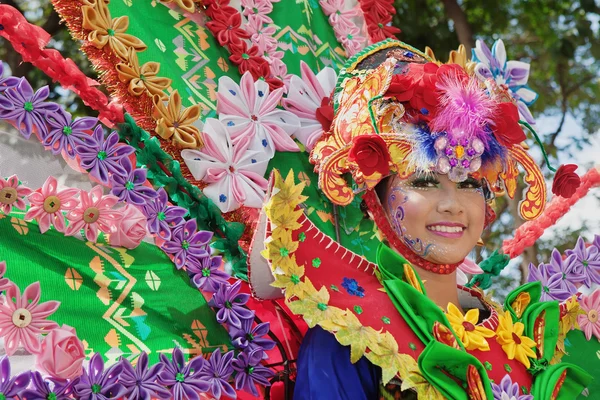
<point>334,9</point>
<point>24,319</point>
<point>347,24</point>
<point>130,230</point>
<point>62,354</point>
<point>94,212</point>
<point>259,9</point>
<point>5,283</point>
<point>12,194</point>
<point>48,204</point>
<point>249,110</point>
<point>262,36</point>
<point>305,96</point>
<point>234,173</point>
<point>589,322</point>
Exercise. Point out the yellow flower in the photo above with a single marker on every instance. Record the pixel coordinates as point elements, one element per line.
<point>471,335</point>
<point>108,31</point>
<point>177,124</point>
<point>142,78</point>
<point>514,343</point>
<point>280,247</point>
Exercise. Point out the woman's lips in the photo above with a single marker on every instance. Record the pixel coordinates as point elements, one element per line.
<point>449,230</point>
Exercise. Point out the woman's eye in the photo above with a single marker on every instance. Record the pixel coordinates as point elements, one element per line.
<point>424,183</point>
<point>470,184</point>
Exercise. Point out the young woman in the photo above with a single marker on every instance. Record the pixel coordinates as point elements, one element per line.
<point>426,147</point>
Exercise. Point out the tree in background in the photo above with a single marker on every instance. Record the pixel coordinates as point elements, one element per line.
<point>558,37</point>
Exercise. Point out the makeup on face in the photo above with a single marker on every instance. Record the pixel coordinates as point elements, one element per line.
<point>439,220</point>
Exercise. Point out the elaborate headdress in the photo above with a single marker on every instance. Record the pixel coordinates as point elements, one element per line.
<point>398,111</point>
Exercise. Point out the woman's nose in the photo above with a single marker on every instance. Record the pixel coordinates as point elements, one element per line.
<point>449,202</point>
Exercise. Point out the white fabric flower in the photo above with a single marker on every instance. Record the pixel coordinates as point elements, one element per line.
<point>235,174</point>
<point>248,110</point>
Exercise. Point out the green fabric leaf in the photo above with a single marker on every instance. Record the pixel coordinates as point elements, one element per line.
<point>550,312</point>
<point>438,360</point>
<point>576,380</point>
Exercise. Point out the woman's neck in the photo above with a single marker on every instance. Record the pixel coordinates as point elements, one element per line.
<point>441,289</point>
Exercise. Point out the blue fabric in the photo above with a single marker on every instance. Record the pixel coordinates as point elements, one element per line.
<point>326,373</point>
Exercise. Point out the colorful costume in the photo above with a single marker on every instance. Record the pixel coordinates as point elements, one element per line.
<point>257,185</point>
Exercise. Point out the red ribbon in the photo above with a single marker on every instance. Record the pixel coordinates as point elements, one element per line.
<point>30,41</point>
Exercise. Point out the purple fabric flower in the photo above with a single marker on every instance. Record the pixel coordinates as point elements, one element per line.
<point>65,133</point>
<point>130,187</point>
<point>507,390</point>
<point>217,371</point>
<point>250,371</point>
<point>141,381</point>
<point>8,82</point>
<point>46,389</point>
<point>250,338</point>
<point>587,262</point>
<point>161,216</point>
<point>566,269</point>
<point>552,283</point>
<point>104,156</point>
<point>206,275</point>
<point>27,108</point>
<point>10,387</point>
<point>186,242</point>
<point>97,384</point>
<point>185,381</point>
<point>231,305</point>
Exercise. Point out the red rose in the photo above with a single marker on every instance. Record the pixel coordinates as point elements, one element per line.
<point>325,114</point>
<point>371,155</point>
<point>506,125</point>
<point>566,181</point>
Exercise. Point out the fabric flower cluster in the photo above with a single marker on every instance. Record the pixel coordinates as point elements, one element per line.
<point>60,133</point>
<point>562,276</point>
<point>378,14</point>
<point>348,24</point>
<point>226,26</point>
<point>238,146</point>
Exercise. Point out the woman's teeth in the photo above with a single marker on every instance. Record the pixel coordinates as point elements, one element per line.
<point>443,228</point>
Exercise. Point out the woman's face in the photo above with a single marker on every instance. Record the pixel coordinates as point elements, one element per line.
<point>441,221</point>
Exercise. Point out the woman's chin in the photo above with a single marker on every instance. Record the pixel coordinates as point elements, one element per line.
<point>446,258</point>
